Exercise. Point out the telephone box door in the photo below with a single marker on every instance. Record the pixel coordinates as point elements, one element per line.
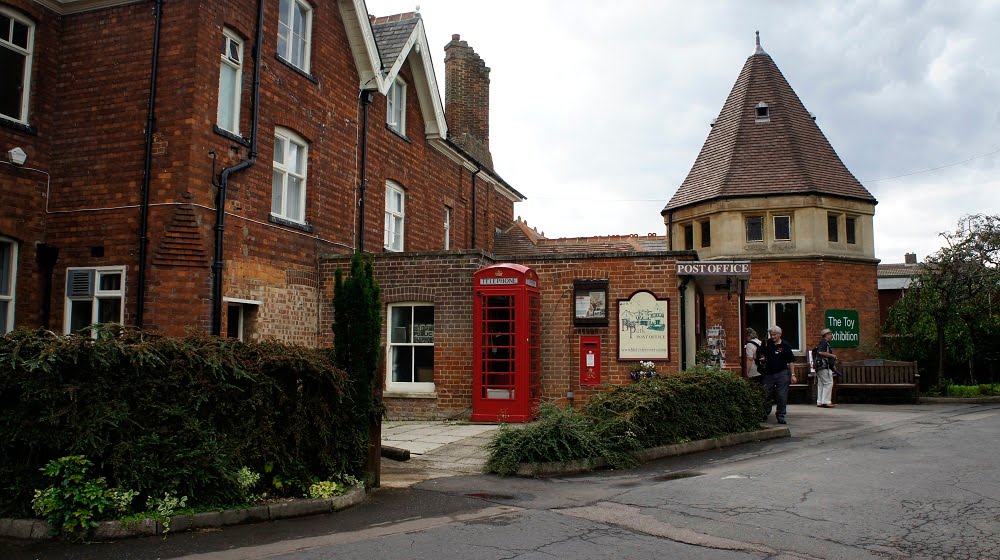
<point>506,335</point>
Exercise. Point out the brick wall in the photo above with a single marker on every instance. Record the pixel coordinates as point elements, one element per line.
<point>823,285</point>
<point>89,102</point>
<point>445,279</point>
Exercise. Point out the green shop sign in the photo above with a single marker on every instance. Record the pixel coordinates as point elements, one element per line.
<point>844,324</point>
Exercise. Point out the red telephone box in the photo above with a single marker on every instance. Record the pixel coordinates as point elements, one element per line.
<point>506,344</point>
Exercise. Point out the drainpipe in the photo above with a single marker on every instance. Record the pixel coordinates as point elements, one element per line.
<point>366,99</point>
<point>220,209</point>
<point>683,289</point>
<point>47,256</point>
<point>146,169</point>
<point>474,173</point>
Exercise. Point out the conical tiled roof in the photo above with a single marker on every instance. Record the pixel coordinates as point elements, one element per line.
<point>785,153</point>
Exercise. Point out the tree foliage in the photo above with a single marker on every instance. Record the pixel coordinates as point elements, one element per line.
<point>949,318</point>
<point>357,326</point>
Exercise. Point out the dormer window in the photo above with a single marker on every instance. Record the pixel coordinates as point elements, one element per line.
<point>762,113</point>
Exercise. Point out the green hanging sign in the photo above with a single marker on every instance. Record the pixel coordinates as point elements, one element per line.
<point>845,326</point>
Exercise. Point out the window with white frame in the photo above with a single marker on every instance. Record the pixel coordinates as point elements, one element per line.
<point>230,81</point>
<point>782,228</point>
<point>94,295</point>
<point>755,228</point>
<point>17,35</point>
<point>786,313</point>
<point>288,181</point>
<point>8,278</point>
<point>395,115</point>
<point>447,228</point>
<point>395,217</point>
<point>411,347</point>
<point>295,32</point>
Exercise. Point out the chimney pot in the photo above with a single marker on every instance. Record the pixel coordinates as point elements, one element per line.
<point>456,37</point>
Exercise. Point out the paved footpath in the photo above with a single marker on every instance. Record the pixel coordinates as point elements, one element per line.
<point>437,449</point>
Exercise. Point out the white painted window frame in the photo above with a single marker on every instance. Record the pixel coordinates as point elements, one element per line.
<point>10,298</point>
<point>447,228</point>
<point>230,39</point>
<point>404,386</point>
<point>798,347</point>
<point>286,171</point>
<point>28,54</point>
<point>395,106</point>
<point>284,19</point>
<point>774,225</point>
<point>391,217</point>
<point>98,295</point>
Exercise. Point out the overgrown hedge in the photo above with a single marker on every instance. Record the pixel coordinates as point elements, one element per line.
<point>178,415</point>
<point>697,404</point>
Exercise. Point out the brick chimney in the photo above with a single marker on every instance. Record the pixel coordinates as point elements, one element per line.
<point>467,99</point>
<point>911,258</point>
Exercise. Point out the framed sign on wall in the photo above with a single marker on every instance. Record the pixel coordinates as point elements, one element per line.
<point>590,302</point>
<point>642,327</point>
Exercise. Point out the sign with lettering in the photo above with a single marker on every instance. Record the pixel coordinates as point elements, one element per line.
<point>845,326</point>
<point>497,281</point>
<point>642,327</point>
<point>740,269</point>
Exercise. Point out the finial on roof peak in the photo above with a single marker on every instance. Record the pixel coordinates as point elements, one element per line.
<point>758,50</point>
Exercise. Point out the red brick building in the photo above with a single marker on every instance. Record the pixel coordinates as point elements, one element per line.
<point>188,163</point>
<point>768,189</point>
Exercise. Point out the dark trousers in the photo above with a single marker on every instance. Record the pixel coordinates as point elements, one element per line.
<point>776,388</point>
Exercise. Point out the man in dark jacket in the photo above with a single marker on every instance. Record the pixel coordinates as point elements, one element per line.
<point>777,374</point>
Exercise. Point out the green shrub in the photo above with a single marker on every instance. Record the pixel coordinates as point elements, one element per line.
<point>174,415</point>
<point>75,501</point>
<point>699,403</point>
<point>559,435</point>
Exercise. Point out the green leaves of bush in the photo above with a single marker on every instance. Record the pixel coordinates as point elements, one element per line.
<point>177,415</point>
<point>74,501</point>
<point>699,403</point>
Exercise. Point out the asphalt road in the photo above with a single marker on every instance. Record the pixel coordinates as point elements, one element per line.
<point>858,481</point>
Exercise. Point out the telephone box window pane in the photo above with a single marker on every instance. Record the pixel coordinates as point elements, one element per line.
<point>402,364</point>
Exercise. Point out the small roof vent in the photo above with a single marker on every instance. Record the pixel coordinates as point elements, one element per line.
<point>762,113</point>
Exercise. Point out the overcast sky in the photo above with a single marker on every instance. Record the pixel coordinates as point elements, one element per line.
<point>598,108</point>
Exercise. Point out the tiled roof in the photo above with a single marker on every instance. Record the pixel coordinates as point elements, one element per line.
<point>786,155</point>
<point>899,270</point>
<point>519,240</point>
<point>391,33</point>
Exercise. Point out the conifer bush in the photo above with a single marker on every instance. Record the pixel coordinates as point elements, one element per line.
<point>178,416</point>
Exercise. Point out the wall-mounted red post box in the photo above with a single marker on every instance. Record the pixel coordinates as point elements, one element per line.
<point>590,360</point>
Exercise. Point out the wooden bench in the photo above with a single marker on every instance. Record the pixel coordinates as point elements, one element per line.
<point>878,374</point>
